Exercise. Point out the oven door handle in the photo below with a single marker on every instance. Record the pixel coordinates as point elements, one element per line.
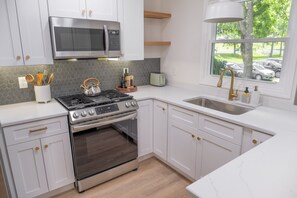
<point>82,127</point>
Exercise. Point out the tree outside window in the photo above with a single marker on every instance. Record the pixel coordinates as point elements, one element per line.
<point>254,47</point>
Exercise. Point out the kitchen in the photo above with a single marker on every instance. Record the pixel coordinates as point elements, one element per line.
<point>184,137</point>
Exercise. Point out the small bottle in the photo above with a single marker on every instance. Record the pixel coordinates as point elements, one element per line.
<point>122,82</point>
<point>246,96</point>
<point>256,95</point>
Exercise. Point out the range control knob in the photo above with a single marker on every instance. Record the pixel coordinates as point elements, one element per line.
<point>128,104</point>
<point>84,114</point>
<point>91,112</point>
<point>75,115</point>
<point>133,103</point>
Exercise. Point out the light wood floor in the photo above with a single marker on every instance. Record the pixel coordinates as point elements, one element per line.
<point>153,179</point>
<point>2,185</point>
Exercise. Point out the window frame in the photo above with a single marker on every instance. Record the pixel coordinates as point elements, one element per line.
<point>282,89</point>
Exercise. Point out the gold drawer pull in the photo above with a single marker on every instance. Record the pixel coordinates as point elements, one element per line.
<point>37,148</point>
<point>46,146</point>
<point>255,141</point>
<point>38,130</point>
<point>193,136</point>
<point>198,138</point>
<point>28,57</point>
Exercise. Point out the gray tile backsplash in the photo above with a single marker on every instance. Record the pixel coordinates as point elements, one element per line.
<point>70,75</point>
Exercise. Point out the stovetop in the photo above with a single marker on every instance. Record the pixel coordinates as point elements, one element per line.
<point>80,101</point>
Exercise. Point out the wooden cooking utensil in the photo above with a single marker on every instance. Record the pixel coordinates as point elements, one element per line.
<point>30,78</point>
<point>51,78</point>
<point>39,77</point>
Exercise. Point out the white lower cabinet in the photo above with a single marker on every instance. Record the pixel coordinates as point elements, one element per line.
<point>160,129</point>
<point>182,147</point>
<point>40,165</point>
<point>28,169</point>
<point>214,153</point>
<point>198,144</point>
<point>57,160</point>
<point>252,139</point>
<point>145,127</point>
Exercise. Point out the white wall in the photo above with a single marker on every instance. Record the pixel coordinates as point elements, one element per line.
<point>180,61</point>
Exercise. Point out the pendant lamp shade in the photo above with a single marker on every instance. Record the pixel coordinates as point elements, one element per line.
<point>224,11</point>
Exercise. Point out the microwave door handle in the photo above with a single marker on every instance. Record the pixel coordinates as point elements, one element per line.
<point>106,39</point>
<point>78,128</point>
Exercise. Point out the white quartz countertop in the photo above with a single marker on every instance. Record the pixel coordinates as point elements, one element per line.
<point>29,111</point>
<point>267,171</point>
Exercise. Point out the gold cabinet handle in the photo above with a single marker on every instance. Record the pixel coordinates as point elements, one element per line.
<point>255,141</point>
<point>90,12</point>
<point>28,57</point>
<point>38,130</point>
<point>193,136</point>
<point>36,148</point>
<point>198,138</point>
<point>18,58</point>
<point>83,12</point>
<point>46,146</point>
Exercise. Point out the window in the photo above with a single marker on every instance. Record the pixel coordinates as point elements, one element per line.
<point>259,49</point>
<point>254,47</point>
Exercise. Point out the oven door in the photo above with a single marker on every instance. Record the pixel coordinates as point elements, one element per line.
<point>104,144</point>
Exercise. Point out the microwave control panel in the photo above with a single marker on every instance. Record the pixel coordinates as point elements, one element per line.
<point>114,40</point>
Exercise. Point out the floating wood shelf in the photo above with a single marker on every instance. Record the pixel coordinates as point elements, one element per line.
<point>156,15</point>
<point>157,43</point>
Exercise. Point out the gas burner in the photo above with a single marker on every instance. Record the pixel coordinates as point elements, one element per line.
<point>80,101</point>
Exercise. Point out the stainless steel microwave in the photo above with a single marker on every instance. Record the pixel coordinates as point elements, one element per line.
<point>82,38</point>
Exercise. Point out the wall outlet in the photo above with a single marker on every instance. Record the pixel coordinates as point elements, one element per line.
<point>23,83</point>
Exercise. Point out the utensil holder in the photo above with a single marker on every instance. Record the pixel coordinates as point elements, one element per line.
<point>43,93</point>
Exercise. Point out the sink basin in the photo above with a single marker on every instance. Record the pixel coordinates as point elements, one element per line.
<point>219,106</point>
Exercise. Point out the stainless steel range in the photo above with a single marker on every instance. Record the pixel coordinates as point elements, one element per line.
<point>103,136</point>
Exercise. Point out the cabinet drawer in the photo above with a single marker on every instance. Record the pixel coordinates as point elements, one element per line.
<point>221,129</point>
<point>34,130</point>
<point>183,116</point>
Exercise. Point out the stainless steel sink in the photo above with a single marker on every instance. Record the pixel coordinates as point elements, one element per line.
<point>219,106</point>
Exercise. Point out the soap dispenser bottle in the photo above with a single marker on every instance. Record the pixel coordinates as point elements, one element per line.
<point>256,95</point>
<point>246,96</point>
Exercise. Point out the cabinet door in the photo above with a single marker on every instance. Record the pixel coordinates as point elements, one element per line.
<point>215,153</point>
<point>28,169</point>
<point>160,129</point>
<point>58,160</point>
<point>145,127</point>
<point>68,8</point>
<point>10,48</point>
<point>34,30</point>
<point>130,15</point>
<point>102,10</point>
<point>182,148</point>
<point>253,138</point>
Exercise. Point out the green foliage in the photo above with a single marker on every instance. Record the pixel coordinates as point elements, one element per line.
<point>270,19</point>
<point>218,65</point>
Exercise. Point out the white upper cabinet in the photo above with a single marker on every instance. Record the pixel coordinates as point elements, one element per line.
<point>24,34</point>
<point>10,48</point>
<point>102,9</point>
<point>67,8</point>
<point>34,30</point>
<point>84,9</point>
<point>130,15</point>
